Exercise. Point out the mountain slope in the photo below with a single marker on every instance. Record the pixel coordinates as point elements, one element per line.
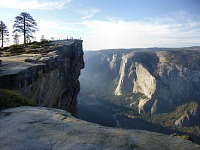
<point>151,81</point>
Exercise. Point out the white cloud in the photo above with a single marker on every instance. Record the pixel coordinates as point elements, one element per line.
<point>160,32</point>
<point>34,4</point>
<point>51,28</point>
<point>57,29</point>
<point>167,31</point>
<point>87,12</point>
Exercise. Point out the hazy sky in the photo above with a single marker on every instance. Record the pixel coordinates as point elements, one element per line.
<point>104,24</point>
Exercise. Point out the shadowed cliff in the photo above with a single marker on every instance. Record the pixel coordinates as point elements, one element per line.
<point>158,85</point>
<point>49,79</point>
<point>150,81</point>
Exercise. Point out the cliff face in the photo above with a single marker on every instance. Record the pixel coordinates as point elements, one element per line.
<point>50,80</point>
<point>162,83</point>
<point>164,79</point>
<point>39,128</point>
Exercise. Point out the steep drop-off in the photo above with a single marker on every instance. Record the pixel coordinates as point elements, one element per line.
<point>49,79</point>
<point>164,79</point>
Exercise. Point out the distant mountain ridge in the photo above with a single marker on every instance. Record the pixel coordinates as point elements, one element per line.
<point>165,78</point>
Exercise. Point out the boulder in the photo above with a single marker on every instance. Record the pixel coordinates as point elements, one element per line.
<point>40,128</point>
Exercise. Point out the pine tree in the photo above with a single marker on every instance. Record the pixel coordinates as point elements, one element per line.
<point>3,33</point>
<point>26,25</point>
<point>52,38</point>
<point>42,38</point>
<point>16,38</point>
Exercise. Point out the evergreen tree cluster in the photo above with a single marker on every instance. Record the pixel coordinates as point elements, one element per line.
<point>3,33</point>
<point>24,24</point>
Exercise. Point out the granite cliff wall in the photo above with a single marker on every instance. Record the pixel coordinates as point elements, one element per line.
<point>49,80</point>
<point>164,83</point>
<point>150,81</point>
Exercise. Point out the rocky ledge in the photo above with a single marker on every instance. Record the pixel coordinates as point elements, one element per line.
<point>48,78</point>
<point>39,128</point>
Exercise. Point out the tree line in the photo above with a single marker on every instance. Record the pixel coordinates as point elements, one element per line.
<point>24,24</point>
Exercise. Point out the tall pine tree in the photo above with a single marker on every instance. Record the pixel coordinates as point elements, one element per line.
<point>3,33</point>
<point>26,25</point>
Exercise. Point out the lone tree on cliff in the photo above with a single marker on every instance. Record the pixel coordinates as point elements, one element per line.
<point>42,38</point>
<point>4,33</point>
<point>26,25</point>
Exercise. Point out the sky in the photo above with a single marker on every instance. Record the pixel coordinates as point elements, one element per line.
<point>109,24</point>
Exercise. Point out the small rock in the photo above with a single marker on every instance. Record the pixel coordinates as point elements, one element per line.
<point>29,60</point>
<point>10,50</point>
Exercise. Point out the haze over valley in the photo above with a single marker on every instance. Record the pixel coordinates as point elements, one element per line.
<point>99,74</point>
<point>154,89</point>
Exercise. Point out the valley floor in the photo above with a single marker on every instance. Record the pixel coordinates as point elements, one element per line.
<point>107,114</point>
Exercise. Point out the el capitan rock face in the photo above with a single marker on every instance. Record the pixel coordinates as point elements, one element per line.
<point>164,78</point>
<point>39,128</point>
<point>48,79</point>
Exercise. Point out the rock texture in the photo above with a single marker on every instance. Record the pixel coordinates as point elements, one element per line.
<point>39,128</point>
<point>161,82</point>
<point>188,116</point>
<point>165,79</point>
<point>48,79</point>
<point>183,121</point>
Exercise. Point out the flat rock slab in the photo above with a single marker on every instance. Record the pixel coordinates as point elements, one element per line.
<point>39,128</point>
<point>15,64</point>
